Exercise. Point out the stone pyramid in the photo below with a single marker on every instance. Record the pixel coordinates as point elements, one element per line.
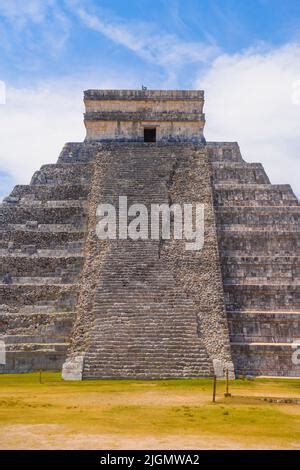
<point>149,308</point>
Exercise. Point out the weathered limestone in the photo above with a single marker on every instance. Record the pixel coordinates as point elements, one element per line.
<point>259,240</point>
<point>42,229</point>
<point>149,309</point>
<point>122,115</point>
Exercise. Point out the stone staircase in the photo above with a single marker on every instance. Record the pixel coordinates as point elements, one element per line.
<point>144,315</point>
<point>259,240</point>
<point>150,309</point>
<point>143,327</point>
<point>42,231</point>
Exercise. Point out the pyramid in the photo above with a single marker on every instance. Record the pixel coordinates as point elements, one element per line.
<point>149,309</point>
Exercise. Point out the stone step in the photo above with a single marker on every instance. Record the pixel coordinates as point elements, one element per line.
<point>247,230</point>
<point>165,344</point>
<point>37,346</point>
<point>224,151</point>
<point>31,204</point>
<point>254,195</point>
<point>268,327</point>
<point>49,192</point>
<point>32,227</point>
<point>148,303</point>
<point>69,250</point>
<point>151,302</point>
<point>110,349</point>
<point>276,217</point>
<point>64,295</point>
<point>147,367</point>
<point>59,173</point>
<point>261,268</point>
<point>35,322</point>
<point>43,307</point>
<point>153,320</point>
<point>41,214</point>
<point>42,266</point>
<point>79,153</point>
<point>143,364</point>
<point>31,241</point>
<point>28,359</point>
<point>257,296</point>
<point>272,344</point>
<point>261,259</point>
<point>55,254</point>
<point>258,282</point>
<point>139,367</point>
<point>143,361</point>
<point>272,242</point>
<point>238,173</point>
<point>138,375</point>
<point>41,281</point>
<point>264,329</point>
<point>268,359</point>
<point>12,341</point>
<point>276,313</point>
<point>150,146</point>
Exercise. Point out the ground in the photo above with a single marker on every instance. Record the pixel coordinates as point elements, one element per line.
<point>171,414</point>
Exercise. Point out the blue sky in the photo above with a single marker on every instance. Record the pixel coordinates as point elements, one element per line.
<point>244,54</point>
<point>45,39</point>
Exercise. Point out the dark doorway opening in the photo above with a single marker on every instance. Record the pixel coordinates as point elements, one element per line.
<point>150,134</point>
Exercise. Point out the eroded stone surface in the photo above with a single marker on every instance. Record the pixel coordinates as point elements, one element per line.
<point>150,309</point>
<point>259,239</point>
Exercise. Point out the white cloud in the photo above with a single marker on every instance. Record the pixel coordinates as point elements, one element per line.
<point>2,92</point>
<point>251,98</point>
<point>37,121</point>
<point>32,10</point>
<point>35,124</point>
<point>34,25</point>
<point>146,41</point>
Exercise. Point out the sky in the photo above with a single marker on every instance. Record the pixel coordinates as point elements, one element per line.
<point>245,55</point>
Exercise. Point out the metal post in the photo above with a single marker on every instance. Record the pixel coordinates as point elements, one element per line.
<point>214,389</point>
<point>227,394</point>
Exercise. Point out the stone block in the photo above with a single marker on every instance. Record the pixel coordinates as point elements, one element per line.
<point>72,368</point>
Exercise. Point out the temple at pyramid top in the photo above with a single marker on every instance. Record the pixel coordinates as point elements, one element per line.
<point>144,115</point>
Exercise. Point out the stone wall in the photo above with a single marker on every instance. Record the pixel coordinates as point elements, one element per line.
<point>258,228</point>
<point>158,105</point>
<point>123,130</point>
<point>150,309</point>
<point>122,115</point>
<point>42,232</point>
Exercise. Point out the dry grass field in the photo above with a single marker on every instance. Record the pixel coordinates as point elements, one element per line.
<point>177,414</point>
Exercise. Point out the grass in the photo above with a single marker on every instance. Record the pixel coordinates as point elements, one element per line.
<point>146,414</point>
